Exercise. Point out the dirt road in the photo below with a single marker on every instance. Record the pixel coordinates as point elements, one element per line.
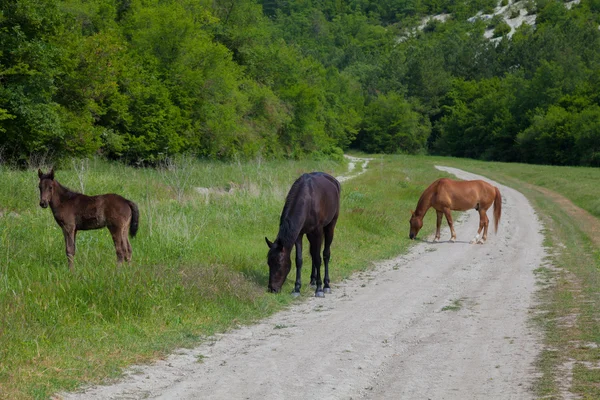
<point>447,321</point>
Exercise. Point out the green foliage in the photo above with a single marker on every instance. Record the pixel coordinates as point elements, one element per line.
<point>514,12</point>
<point>495,21</point>
<point>143,80</point>
<point>531,7</point>
<point>390,126</point>
<point>501,29</point>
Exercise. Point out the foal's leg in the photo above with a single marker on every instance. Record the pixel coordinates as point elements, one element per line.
<point>328,233</point>
<point>70,232</point>
<point>125,246</point>
<point>115,232</point>
<point>438,226</point>
<point>129,251</point>
<point>298,284</point>
<point>315,238</point>
<point>448,214</point>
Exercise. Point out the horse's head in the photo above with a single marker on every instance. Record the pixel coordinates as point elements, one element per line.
<point>280,265</point>
<point>46,187</point>
<point>416,223</point>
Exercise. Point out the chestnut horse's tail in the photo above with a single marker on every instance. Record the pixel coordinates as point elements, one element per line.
<point>497,209</point>
<point>135,218</point>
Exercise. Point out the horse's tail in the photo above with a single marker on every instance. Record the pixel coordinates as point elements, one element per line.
<point>135,218</point>
<point>497,209</point>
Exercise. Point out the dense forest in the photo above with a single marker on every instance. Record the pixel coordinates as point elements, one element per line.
<point>141,80</point>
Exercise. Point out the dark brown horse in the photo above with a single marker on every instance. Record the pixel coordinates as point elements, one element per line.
<point>445,195</point>
<point>77,212</point>
<point>312,207</point>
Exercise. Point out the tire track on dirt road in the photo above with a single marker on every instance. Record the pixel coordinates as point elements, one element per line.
<point>446,321</point>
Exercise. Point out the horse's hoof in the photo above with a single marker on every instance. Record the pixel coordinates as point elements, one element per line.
<point>473,241</point>
<point>295,294</point>
<point>481,242</point>
<point>452,240</point>
<point>327,290</point>
<point>319,294</point>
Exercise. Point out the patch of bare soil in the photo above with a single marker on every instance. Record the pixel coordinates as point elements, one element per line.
<point>446,321</point>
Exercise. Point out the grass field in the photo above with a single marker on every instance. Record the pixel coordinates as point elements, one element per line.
<point>199,261</point>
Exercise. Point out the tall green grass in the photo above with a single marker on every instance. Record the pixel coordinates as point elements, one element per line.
<point>199,263</point>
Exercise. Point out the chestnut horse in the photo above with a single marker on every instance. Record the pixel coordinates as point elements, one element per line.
<point>312,207</point>
<point>445,195</point>
<point>77,212</point>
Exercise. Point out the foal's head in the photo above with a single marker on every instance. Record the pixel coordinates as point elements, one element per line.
<point>46,187</point>
<point>280,265</point>
<point>416,223</point>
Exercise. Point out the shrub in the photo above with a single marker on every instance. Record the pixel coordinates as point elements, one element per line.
<point>501,29</point>
<point>495,21</point>
<point>514,12</point>
<point>531,7</point>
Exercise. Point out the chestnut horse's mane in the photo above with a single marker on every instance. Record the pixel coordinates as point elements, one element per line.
<point>425,200</point>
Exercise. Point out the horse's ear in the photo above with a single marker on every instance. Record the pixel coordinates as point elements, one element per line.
<point>40,173</point>
<point>51,174</point>
<point>269,243</point>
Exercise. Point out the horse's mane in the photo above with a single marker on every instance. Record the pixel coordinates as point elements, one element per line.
<point>288,225</point>
<point>425,200</point>
<point>66,192</point>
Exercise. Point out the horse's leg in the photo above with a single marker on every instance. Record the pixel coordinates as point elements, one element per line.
<point>298,284</point>
<point>129,250</point>
<point>486,222</point>
<point>115,232</point>
<point>70,232</point>
<point>481,225</point>
<point>439,225</point>
<point>315,238</point>
<point>128,244</point>
<point>448,214</point>
<point>126,247</point>
<point>313,276</point>
<point>328,233</point>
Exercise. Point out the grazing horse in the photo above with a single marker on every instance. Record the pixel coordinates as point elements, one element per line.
<point>312,207</point>
<point>77,212</point>
<point>445,195</point>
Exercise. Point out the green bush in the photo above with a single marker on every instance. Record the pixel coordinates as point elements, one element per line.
<point>391,126</point>
<point>495,21</point>
<point>501,29</point>
<point>514,12</point>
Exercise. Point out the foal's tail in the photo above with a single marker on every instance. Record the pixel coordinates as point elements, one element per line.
<point>497,209</point>
<point>135,218</point>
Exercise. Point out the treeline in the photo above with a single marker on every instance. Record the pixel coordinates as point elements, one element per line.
<point>141,80</point>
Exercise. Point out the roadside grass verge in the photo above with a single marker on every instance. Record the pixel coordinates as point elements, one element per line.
<point>199,261</point>
<point>569,309</point>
